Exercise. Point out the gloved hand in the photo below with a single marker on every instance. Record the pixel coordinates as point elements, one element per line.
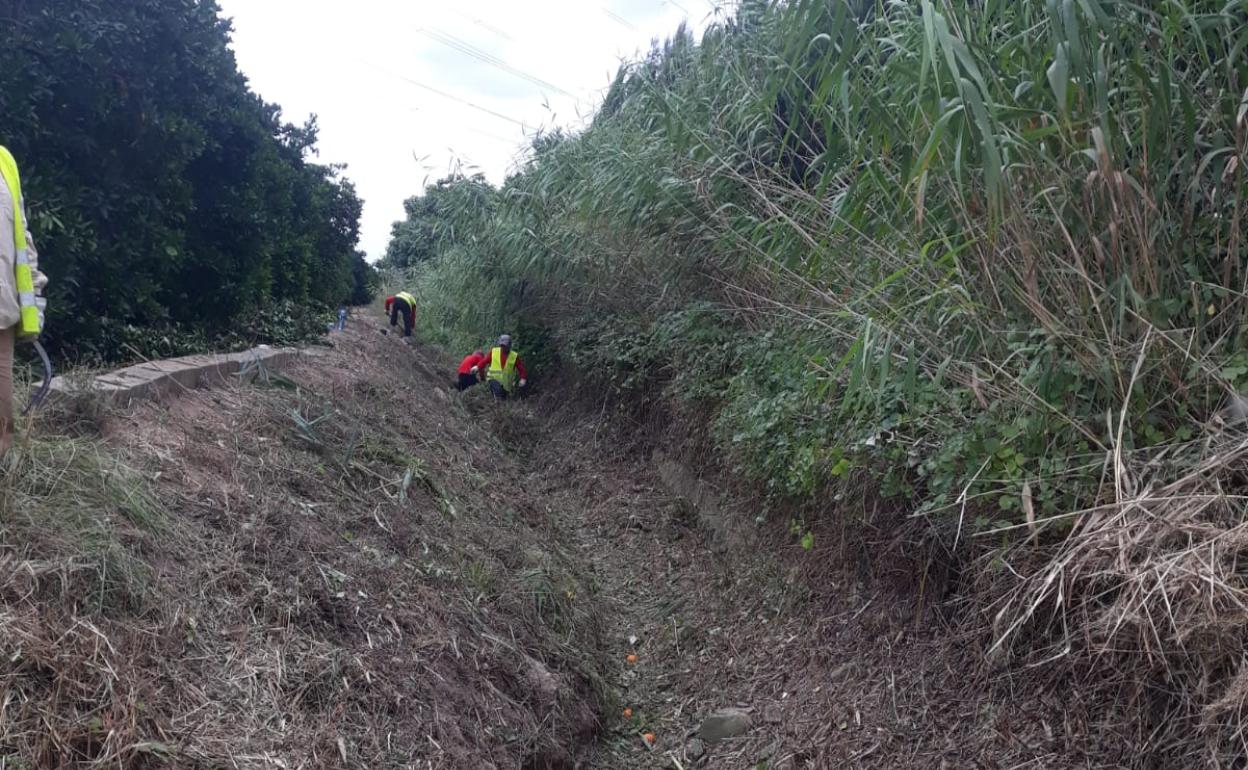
<point>523,383</point>
<point>474,370</point>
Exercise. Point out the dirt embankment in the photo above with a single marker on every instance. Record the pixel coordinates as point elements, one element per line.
<point>349,565</point>
<point>335,566</point>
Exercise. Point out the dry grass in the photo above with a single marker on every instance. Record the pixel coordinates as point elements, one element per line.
<point>1145,603</point>
<point>69,506</point>
<point>318,570</point>
<point>75,522</point>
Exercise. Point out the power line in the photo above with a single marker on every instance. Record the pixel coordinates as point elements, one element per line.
<point>620,19</point>
<point>488,58</point>
<point>494,29</point>
<point>445,95</point>
<point>486,25</point>
<point>468,49</point>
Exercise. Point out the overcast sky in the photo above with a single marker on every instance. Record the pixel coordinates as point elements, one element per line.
<point>524,64</point>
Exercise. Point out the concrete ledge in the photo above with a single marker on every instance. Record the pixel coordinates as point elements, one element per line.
<point>157,378</point>
<point>714,510</point>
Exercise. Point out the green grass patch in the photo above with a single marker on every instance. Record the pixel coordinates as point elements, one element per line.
<point>69,504</point>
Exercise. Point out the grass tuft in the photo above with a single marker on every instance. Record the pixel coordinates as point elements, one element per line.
<point>74,504</point>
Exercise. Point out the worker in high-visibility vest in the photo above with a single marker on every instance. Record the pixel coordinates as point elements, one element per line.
<point>405,304</point>
<point>504,370</point>
<point>21,288</point>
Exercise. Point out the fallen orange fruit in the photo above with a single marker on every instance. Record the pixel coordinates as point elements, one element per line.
<point>628,713</point>
<point>632,657</point>
<point>648,738</point>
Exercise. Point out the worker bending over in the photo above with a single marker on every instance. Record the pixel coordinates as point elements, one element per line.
<point>504,370</point>
<point>21,288</point>
<point>402,303</point>
<point>468,369</point>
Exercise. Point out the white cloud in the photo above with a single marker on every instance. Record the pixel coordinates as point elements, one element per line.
<point>351,63</point>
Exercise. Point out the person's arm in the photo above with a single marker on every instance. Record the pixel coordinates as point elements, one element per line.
<point>524,375</point>
<point>40,280</point>
<point>389,302</point>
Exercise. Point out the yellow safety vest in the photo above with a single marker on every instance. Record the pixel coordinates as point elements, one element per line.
<point>25,276</point>
<point>408,298</point>
<point>504,373</point>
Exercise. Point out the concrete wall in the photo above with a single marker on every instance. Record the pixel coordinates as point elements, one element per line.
<point>157,378</point>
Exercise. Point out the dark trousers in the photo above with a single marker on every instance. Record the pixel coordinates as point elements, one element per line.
<point>401,306</point>
<point>501,393</point>
<point>466,381</point>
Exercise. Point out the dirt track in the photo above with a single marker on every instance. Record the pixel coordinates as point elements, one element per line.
<point>358,567</point>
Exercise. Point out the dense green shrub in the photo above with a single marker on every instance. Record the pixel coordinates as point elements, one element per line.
<point>164,194</point>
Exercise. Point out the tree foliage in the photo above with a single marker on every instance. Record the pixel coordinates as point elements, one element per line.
<point>163,192</point>
<point>432,218</point>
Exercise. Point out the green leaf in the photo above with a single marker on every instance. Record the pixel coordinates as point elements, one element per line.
<point>988,139</point>
<point>1059,75</point>
<point>933,140</point>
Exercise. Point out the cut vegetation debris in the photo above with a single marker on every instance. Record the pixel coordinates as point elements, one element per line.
<point>256,576</point>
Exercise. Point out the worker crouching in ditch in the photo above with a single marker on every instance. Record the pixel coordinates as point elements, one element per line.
<point>468,368</point>
<point>504,371</point>
<point>21,288</point>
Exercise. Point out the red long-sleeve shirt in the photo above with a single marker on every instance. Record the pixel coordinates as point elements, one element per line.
<point>475,359</point>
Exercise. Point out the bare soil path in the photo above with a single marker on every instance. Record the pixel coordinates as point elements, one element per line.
<point>702,619</point>
<point>754,654</point>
